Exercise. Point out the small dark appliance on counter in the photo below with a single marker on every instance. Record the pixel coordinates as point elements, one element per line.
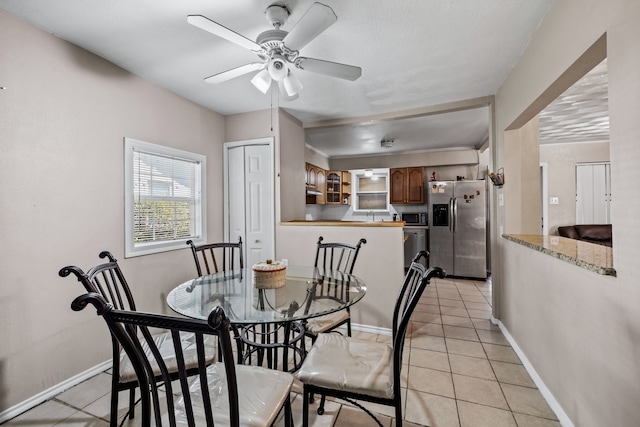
<point>415,218</point>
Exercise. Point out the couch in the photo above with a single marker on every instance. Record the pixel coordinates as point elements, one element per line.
<point>593,233</point>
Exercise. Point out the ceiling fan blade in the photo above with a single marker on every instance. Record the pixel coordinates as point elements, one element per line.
<point>234,72</point>
<point>315,20</point>
<point>207,24</point>
<point>333,69</point>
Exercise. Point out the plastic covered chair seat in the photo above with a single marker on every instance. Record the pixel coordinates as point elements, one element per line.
<point>108,281</point>
<point>221,394</point>
<point>340,257</point>
<point>350,364</point>
<point>358,370</point>
<point>324,323</point>
<point>258,404</point>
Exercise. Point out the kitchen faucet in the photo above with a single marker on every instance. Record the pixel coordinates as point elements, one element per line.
<point>372,214</point>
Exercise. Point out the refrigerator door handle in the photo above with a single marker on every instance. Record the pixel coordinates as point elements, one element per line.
<point>455,214</point>
<point>451,215</point>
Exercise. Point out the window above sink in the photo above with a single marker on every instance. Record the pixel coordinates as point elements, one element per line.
<point>371,189</point>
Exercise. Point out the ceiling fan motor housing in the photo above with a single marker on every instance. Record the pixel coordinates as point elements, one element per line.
<point>277,15</point>
<point>271,38</point>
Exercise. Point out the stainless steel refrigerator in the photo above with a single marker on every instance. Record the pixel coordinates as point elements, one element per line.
<point>457,227</point>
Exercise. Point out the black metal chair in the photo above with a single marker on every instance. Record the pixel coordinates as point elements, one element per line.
<point>222,394</point>
<point>209,255</point>
<point>333,256</point>
<point>217,257</point>
<point>353,369</point>
<point>108,280</point>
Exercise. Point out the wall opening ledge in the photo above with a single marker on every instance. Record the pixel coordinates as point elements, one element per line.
<point>591,256</point>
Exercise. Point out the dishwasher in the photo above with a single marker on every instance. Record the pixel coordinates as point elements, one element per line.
<point>415,241</point>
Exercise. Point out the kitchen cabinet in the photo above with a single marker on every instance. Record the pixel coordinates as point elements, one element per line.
<point>320,186</point>
<point>333,193</point>
<point>407,185</point>
<point>311,175</point>
<point>327,187</point>
<point>315,184</point>
<point>346,188</point>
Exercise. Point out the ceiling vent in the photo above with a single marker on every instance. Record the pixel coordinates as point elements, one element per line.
<point>386,143</point>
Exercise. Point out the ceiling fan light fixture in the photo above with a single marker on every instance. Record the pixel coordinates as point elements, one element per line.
<point>262,81</point>
<point>292,85</point>
<point>284,94</point>
<point>277,67</point>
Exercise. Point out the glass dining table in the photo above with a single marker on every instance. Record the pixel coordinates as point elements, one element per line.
<point>268,323</point>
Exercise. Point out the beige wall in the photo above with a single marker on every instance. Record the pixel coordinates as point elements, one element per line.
<point>292,169</point>
<point>315,158</point>
<point>522,170</point>
<point>63,118</point>
<point>580,330</point>
<point>252,125</point>
<point>561,160</point>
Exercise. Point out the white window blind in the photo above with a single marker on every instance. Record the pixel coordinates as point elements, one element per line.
<point>165,202</point>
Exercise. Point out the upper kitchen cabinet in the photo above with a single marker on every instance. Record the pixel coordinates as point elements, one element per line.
<point>315,183</point>
<point>407,185</point>
<point>310,177</point>
<point>334,187</point>
<point>346,187</point>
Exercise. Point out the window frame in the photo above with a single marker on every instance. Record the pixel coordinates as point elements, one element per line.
<point>133,249</point>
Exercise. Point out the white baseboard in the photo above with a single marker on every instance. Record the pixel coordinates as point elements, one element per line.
<point>563,418</point>
<point>370,329</point>
<point>47,394</point>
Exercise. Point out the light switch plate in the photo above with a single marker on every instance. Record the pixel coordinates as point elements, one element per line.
<point>500,199</point>
<point>553,200</point>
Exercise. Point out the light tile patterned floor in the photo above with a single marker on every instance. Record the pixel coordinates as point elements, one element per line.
<point>460,372</point>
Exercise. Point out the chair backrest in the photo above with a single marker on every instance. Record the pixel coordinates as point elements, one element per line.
<point>216,257</point>
<point>337,256</point>
<point>107,280</point>
<point>415,282</point>
<point>189,401</point>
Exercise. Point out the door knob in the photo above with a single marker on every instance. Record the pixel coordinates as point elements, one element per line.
<point>258,241</point>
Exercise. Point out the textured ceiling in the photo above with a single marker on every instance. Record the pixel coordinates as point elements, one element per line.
<point>413,53</point>
<point>581,113</point>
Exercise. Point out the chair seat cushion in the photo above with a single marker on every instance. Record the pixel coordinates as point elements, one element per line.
<point>261,394</point>
<point>321,324</point>
<point>349,364</point>
<point>165,345</point>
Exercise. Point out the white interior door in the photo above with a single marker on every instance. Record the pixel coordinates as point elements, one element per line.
<point>259,212</point>
<point>234,187</point>
<point>592,193</point>
<point>249,197</point>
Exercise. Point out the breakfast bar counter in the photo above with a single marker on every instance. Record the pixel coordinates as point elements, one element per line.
<point>341,223</point>
<point>597,258</point>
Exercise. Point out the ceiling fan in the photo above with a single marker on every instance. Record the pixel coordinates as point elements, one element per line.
<point>279,50</point>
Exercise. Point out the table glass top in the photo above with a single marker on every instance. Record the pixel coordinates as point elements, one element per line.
<point>308,292</point>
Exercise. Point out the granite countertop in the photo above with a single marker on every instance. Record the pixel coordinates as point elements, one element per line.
<point>597,258</point>
<point>340,223</point>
